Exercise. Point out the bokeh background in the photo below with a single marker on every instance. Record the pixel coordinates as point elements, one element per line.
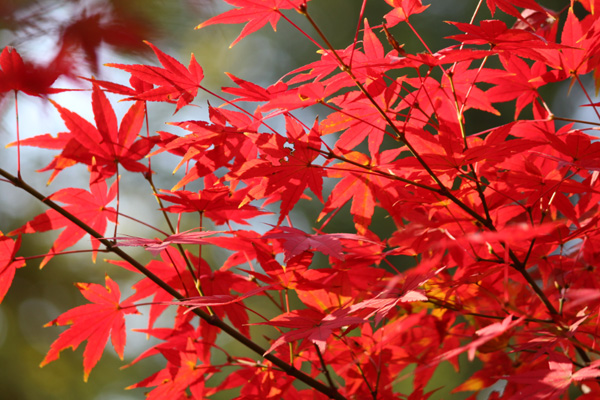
<point>105,31</point>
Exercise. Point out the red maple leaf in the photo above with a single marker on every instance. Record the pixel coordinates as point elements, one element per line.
<point>25,77</point>
<point>296,242</point>
<point>171,270</point>
<point>90,207</point>
<point>8,263</point>
<point>106,145</point>
<point>288,177</point>
<point>219,299</point>
<point>581,57</point>
<point>517,41</point>
<point>175,82</point>
<point>310,324</point>
<point>508,6</point>
<point>185,372</point>
<point>358,187</point>
<point>89,31</point>
<point>554,381</point>
<point>248,91</point>
<point>94,323</point>
<point>483,335</point>
<point>402,10</point>
<point>155,246</point>
<point>256,14</point>
<point>520,82</point>
<point>216,202</point>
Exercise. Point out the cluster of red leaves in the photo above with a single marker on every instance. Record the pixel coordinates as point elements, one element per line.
<point>503,223</point>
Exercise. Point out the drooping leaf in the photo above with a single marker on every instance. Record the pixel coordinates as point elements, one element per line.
<point>296,241</point>
<point>155,246</point>
<point>311,325</point>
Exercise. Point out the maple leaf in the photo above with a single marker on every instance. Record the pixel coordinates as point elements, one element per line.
<point>589,5</point>
<point>219,299</point>
<point>385,300</point>
<point>519,82</point>
<point>25,77</point>
<point>363,121</point>
<point>215,202</point>
<point>89,30</point>
<point>508,6</point>
<point>93,323</point>
<point>248,91</point>
<point>155,246</point>
<point>543,23</point>
<point>266,382</point>
<point>580,57</point>
<point>211,145</point>
<point>256,14</point>
<point>502,39</point>
<point>107,145</point>
<point>483,335</point>
<point>356,186</point>
<point>310,324</point>
<point>581,149</point>
<point>214,283</point>
<point>8,263</point>
<point>183,373</point>
<point>102,147</point>
<point>296,242</point>
<point>555,380</point>
<point>170,269</point>
<point>90,207</point>
<point>288,177</point>
<point>402,10</point>
<point>174,81</point>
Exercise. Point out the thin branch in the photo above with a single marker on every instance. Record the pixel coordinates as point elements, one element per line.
<point>324,367</point>
<point>212,320</point>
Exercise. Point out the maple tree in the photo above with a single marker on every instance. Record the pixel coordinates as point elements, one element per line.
<point>501,225</point>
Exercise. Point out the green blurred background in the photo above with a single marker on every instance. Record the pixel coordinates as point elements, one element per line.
<point>38,296</point>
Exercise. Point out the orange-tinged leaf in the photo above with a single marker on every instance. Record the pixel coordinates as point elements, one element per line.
<point>93,323</point>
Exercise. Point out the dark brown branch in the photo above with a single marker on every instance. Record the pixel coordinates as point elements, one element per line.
<point>213,320</point>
